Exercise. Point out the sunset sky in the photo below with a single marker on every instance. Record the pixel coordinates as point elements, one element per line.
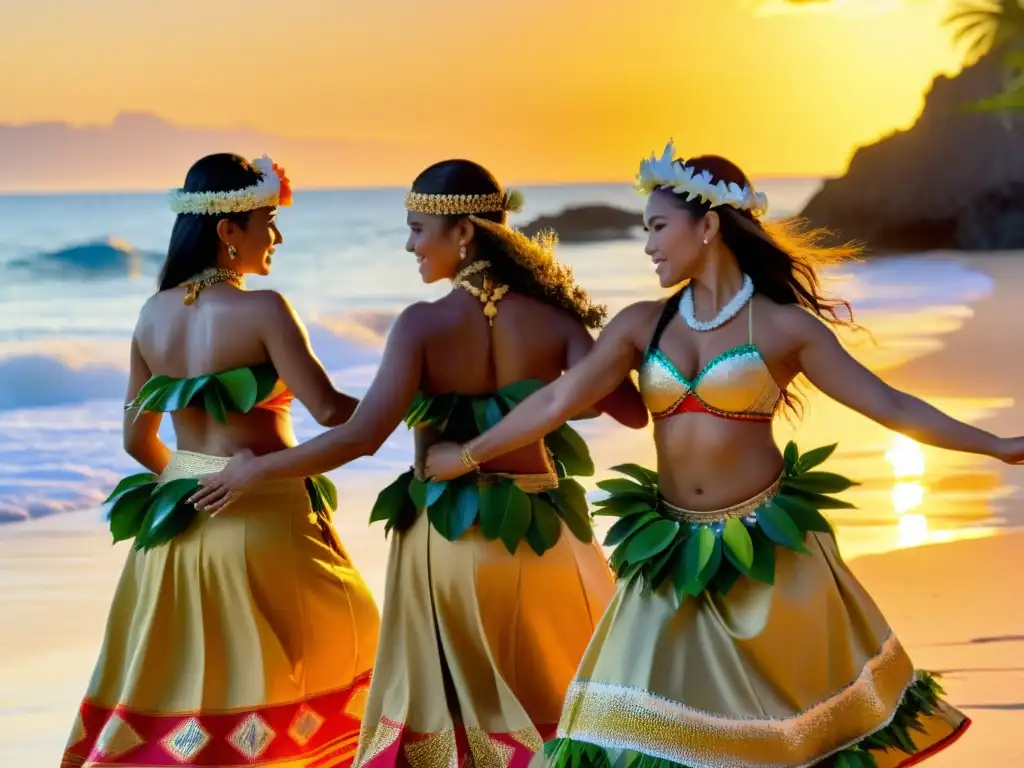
<point>537,89</point>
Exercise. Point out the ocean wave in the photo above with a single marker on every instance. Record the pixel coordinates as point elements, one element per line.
<point>67,458</point>
<point>60,417</point>
<point>106,257</point>
<point>33,381</point>
<point>349,348</point>
<point>901,284</point>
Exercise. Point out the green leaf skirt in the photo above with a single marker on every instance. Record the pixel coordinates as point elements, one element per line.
<point>152,511</point>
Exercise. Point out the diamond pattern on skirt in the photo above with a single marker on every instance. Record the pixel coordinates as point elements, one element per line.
<point>314,731</point>
<point>186,741</point>
<point>252,736</point>
<point>305,725</point>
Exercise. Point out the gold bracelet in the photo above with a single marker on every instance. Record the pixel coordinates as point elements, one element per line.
<point>468,460</point>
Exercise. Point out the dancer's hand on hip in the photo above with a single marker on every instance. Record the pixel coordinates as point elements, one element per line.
<point>444,462</point>
<point>218,490</point>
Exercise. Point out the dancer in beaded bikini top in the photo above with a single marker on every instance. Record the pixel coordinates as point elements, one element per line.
<point>737,635</point>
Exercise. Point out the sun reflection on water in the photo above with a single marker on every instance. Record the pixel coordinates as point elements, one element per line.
<point>908,466</point>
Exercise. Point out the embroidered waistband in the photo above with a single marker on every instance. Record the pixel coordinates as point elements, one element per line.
<point>742,509</point>
<point>186,464</point>
<point>538,483</point>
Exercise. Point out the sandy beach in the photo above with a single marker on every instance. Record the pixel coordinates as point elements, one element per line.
<point>951,600</point>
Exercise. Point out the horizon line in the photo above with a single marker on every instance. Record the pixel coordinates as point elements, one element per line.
<point>65,192</point>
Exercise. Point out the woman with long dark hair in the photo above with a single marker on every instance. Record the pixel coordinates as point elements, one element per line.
<point>494,584</point>
<point>737,635</point>
<point>241,641</point>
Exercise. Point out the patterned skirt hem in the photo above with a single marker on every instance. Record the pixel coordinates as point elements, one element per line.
<point>320,731</point>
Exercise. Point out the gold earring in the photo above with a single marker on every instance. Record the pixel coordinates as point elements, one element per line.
<point>232,252</point>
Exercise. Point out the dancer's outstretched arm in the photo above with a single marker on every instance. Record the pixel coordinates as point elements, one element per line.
<point>835,372</point>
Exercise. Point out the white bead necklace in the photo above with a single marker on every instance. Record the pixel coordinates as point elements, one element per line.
<point>725,314</point>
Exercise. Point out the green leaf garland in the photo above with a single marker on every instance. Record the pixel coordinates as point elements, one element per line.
<point>236,391</point>
<point>151,512</point>
<point>502,510</point>
<point>691,557</point>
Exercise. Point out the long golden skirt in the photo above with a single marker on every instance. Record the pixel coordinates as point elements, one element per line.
<point>768,676</point>
<point>246,641</point>
<point>478,647</point>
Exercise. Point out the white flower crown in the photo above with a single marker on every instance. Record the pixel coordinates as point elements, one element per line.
<point>272,190</point>
<point>668,173</point>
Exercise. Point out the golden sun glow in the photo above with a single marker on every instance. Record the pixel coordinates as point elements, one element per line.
<point>537,91</point>
<point>906,458</point>
<point>842,8</point>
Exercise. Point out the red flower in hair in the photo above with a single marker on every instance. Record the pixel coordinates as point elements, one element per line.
<point>286,186</point>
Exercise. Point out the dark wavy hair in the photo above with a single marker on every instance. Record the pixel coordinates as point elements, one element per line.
<point>511,263</point>
<point>194,241</point>
<point>782,257</point>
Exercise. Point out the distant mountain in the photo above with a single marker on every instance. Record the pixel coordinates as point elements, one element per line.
<point>141,151</point>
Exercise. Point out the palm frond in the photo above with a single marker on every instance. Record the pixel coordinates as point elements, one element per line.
<point>986,24</point>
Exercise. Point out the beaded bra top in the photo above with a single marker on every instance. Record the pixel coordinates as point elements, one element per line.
<point>734,385</point>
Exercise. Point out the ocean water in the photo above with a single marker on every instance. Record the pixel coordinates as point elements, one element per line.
<point>65,327</point>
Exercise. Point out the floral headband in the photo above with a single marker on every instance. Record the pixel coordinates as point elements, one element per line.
<point>668,173</point>
<point>273,189</point>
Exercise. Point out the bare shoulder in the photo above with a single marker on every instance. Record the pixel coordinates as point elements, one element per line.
<point>154,310</point>
<point>265,302</point>
<point>266,310</point>
<point>641,311</point>
<point>637,320</point>
<point>418,311</point>
<point>417,320</point>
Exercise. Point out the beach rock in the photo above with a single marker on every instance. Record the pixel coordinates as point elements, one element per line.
<point>101,258</point>
<point>589,223</point>
<point>955,179</point>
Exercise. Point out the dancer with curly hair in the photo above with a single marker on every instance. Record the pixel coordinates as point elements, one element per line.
<point>495,582</point>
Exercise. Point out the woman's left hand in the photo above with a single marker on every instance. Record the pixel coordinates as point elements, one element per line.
<point>217,491</point>
<point>1011,450</point>
<point>444,462</point>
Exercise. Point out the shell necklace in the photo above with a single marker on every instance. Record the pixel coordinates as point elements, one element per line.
<point>490,294</point>
<point>199,282</point>
<point>725,314</point>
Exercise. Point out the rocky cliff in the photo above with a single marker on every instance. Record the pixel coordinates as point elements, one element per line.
<point>953,180</point>
<point>589,223</point>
